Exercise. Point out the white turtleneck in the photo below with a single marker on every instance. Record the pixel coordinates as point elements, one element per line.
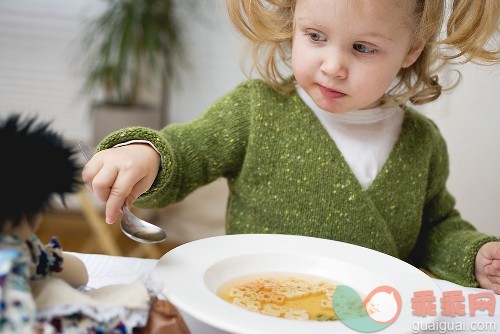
<point>364,137</point>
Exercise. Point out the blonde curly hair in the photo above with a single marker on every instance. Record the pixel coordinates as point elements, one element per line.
<point>268,25</point>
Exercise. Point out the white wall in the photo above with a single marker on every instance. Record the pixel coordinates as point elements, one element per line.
<point>213,61</point>
<point>36,76</point>
<point>469,118</point>
<point>37,73</point>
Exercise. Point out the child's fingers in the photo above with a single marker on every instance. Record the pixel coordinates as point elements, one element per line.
<point>493,269</point>
<point>104,181</point>
<point>489,254</point>
<point>491,250</point>
<point>130,200</point>
<point>119,192</point>
<point>120,175</point>
<point>100,178</point>
<point>89,171</point>
<point>494,279</point>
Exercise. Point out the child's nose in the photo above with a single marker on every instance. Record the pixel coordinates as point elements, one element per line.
<point>335,65</point>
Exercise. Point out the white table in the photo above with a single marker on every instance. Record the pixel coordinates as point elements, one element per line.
<point>106,270</point>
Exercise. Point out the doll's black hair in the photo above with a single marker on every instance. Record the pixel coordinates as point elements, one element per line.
<point>36,165</point>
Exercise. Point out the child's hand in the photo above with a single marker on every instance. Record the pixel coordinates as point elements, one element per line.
<point>488,266</point>
<point>120,175</point>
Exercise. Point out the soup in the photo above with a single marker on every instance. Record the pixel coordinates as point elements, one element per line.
<point>289,296</point>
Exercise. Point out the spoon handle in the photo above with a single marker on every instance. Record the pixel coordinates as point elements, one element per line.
<point>87,152</point>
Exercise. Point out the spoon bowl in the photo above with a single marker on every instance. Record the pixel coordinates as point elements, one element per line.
<point>131,225</point>
<point>140,230</point>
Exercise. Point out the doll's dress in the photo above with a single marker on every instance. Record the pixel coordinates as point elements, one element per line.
<point>21,262</point>
<point>30,298</point>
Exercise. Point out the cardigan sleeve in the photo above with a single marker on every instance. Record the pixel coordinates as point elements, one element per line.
<point>448,244</point>
<point>194,153</point>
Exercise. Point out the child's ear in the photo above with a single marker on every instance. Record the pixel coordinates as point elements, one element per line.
<point>413,53</point>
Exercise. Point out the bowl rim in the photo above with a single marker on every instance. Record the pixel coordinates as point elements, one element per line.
<point>183,274</point>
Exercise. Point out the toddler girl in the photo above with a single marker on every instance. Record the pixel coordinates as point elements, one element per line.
<point>332,149</point>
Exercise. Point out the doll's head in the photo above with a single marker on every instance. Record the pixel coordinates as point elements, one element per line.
<point>36,166</point>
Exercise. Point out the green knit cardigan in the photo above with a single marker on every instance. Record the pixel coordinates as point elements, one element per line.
<point>287,176</point>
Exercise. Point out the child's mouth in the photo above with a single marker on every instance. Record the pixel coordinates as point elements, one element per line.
<point>330,93</point>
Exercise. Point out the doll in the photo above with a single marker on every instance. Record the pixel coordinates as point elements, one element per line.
<point>42,288</point>
<point>36,166</point>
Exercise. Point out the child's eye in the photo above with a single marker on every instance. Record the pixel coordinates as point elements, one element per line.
<point>316,37</point>
<point>362,48</point>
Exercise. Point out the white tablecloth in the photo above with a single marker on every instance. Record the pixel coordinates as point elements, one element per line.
<point>106,270</point>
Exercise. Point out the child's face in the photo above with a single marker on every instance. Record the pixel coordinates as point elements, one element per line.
<point>346,53</point>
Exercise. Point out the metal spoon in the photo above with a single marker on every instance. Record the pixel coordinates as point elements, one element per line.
<point>132,226</point>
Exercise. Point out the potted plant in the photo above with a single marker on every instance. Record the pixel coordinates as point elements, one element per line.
<point>130,49</point>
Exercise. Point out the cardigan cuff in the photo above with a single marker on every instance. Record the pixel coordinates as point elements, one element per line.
<point>458,269</point>
<point>145,134</point>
